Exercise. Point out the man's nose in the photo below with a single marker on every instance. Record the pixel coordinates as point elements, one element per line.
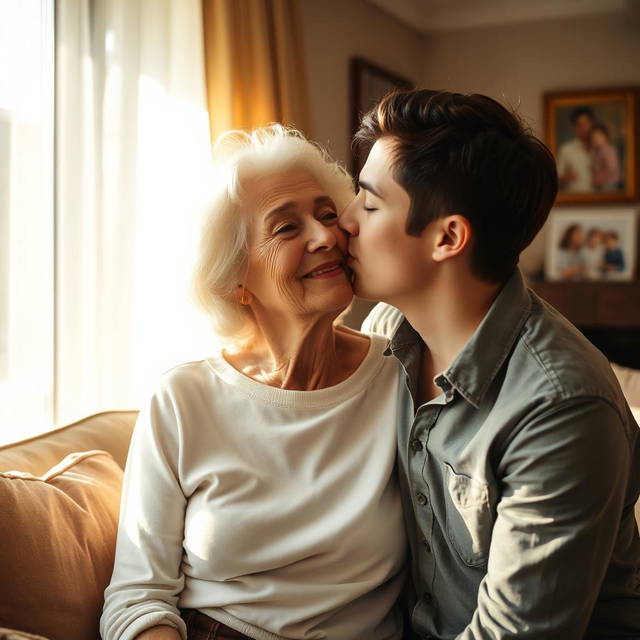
<point>347,219</point>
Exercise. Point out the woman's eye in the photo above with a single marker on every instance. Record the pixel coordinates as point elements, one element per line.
<point>285,229</point>
<point>369,208</point>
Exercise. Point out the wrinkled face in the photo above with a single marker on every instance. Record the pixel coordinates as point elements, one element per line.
<point>387,263</point>
<point>296,251</point>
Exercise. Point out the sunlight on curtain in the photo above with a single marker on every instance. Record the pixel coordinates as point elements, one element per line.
<point>132,168</point>
<point>26,218</point>
<point>254,64</point>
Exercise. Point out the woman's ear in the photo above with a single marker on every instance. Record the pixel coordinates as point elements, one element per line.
<point>452,237</point>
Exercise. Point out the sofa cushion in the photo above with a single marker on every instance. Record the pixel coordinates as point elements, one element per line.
<point>57,544</point>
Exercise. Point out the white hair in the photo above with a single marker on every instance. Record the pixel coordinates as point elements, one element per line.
<point>221,262</point>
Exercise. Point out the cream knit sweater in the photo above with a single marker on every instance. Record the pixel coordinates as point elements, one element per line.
<point>273,511</point>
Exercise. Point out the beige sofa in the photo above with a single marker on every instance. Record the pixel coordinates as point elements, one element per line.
<point>75,504</point>
<point>58,520</point>
<point>109,431</point>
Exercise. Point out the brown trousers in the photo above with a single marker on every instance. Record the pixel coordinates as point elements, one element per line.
<point>202,627</point>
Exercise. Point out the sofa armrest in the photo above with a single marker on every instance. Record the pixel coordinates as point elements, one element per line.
<point>108,431</point>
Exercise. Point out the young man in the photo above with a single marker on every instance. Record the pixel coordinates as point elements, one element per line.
<point>520,458</point>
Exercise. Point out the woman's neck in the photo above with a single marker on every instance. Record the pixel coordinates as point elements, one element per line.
<point>301,354</point>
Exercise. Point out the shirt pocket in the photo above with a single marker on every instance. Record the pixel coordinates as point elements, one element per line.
<point>469,521</point>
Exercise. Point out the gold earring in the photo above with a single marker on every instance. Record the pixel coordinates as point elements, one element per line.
<point>246,297</point>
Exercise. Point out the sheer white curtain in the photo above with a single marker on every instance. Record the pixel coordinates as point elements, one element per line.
<point>26,217</point>
<point>132,150</point>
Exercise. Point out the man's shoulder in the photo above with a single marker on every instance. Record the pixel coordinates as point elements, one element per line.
<point>383,320</point>
<point>556,362</point>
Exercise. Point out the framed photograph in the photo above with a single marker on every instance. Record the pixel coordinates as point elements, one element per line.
<point>594,138</point>
<point>591,245</point>
<point>369,83</point>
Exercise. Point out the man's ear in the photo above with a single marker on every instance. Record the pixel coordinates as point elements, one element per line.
<point>452,237</point>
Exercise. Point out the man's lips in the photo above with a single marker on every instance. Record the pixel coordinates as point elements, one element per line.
<point>326,270</point>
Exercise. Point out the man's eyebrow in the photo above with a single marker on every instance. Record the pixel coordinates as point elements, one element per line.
<point>368,187</point>
<point>287,207</point>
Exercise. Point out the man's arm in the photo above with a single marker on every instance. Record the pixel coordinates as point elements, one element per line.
<point>564,478</point>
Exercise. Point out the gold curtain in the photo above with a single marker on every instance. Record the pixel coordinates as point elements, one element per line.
<point>254,64</point>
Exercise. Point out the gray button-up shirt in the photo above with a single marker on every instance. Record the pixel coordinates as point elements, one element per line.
<point>519,481</point>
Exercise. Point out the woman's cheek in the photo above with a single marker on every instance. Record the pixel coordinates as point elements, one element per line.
<point>342,239</point>
<point>281,264</point>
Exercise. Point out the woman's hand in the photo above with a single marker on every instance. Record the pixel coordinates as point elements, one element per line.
<point>161,632</point>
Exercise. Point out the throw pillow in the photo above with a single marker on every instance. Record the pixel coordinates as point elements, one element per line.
<point>57,545</point>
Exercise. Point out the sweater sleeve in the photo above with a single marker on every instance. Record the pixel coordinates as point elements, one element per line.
<point>147,578</point>
<point>383,319</point>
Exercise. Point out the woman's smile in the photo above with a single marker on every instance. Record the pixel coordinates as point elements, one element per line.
<point>326,270</point>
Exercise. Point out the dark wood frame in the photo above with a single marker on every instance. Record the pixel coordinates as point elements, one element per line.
<point>359,68</point>
<point>631,96</point>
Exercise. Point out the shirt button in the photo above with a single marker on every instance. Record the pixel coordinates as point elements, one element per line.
<point>416,445</point>
<point>421,498</point>
<point>426,545</point>
<point>428,598</point>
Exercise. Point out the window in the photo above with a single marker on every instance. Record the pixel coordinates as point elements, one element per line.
<point>26,218</point>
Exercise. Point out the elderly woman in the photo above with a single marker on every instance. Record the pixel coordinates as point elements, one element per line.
<point>260,498</point>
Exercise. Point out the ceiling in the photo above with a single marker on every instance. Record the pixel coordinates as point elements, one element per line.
<point>432,16</point>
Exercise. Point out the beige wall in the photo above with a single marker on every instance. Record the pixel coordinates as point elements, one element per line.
<point>334,31</point>
<point>517,64</point>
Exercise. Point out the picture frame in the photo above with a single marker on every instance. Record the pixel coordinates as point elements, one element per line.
<point>593,135</point>
<point>369,82</point>
<point>592,245</point>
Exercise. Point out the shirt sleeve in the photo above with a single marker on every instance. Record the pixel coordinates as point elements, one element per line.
<point>564,479</point>
<point>147,579</point>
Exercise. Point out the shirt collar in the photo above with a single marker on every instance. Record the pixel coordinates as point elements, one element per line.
<point>404,337</point>
<point>475,367</point>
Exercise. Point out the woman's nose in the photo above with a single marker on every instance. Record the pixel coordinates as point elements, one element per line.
<point>347,220</point>
<point>322,238</point>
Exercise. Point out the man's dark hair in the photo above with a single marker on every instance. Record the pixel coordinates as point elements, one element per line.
<point>581,111</point>
<point>469,155</point>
